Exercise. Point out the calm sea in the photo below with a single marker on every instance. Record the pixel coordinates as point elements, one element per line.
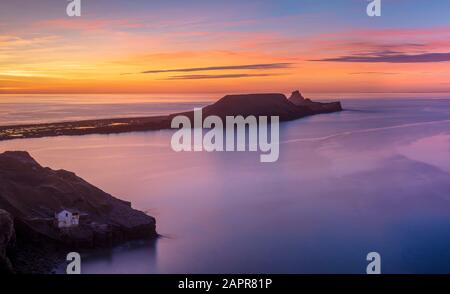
<point>375,177</point>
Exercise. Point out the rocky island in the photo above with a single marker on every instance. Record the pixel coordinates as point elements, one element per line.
<point>271,104</point>
<point>32,199</point>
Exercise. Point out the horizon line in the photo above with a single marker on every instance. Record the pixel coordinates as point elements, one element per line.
<point>196,93</point>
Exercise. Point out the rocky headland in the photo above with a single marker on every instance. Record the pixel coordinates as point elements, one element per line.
<point>31,195</point>
<point>267,104</point>
<point>263,104</point>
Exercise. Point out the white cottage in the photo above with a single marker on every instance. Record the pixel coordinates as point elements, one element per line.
<point>67,219</point>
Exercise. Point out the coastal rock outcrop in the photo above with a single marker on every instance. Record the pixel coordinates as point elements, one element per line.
<point>7,239</point>
<point>32,194</point>
<point>298,99</point>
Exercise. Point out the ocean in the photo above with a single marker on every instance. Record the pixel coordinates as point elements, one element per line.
<point>375,177</point>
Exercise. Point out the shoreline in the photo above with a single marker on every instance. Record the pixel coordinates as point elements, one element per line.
<point>85,127</point>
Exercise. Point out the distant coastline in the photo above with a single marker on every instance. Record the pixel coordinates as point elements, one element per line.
<point>278,104</point>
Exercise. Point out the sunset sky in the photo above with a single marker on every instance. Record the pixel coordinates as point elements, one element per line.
<point>169,46</point>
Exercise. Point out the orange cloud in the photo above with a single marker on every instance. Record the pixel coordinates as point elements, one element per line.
<point>58,60</point>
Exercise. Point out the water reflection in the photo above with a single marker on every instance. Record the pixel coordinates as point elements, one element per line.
<point>345,184</point>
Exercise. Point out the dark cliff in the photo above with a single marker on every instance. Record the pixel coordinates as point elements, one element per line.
<point>7,238</point>
<point>32,194</point>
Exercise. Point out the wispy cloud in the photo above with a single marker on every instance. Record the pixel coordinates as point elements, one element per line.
<point>373,73</point>
<point>262,66</point>
<point>225,76</point>
<point>390,57</point>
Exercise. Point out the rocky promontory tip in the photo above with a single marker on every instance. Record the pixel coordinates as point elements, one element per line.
<point>298,99</point>
<point>57,207</point>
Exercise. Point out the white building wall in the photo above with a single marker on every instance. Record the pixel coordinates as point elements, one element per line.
<point>66,219</point>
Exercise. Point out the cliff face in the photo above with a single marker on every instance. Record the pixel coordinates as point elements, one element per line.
<point>7,238</point>
<point>32,194</point>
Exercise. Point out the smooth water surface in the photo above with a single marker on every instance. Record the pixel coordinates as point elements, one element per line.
<point>375,177</point>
